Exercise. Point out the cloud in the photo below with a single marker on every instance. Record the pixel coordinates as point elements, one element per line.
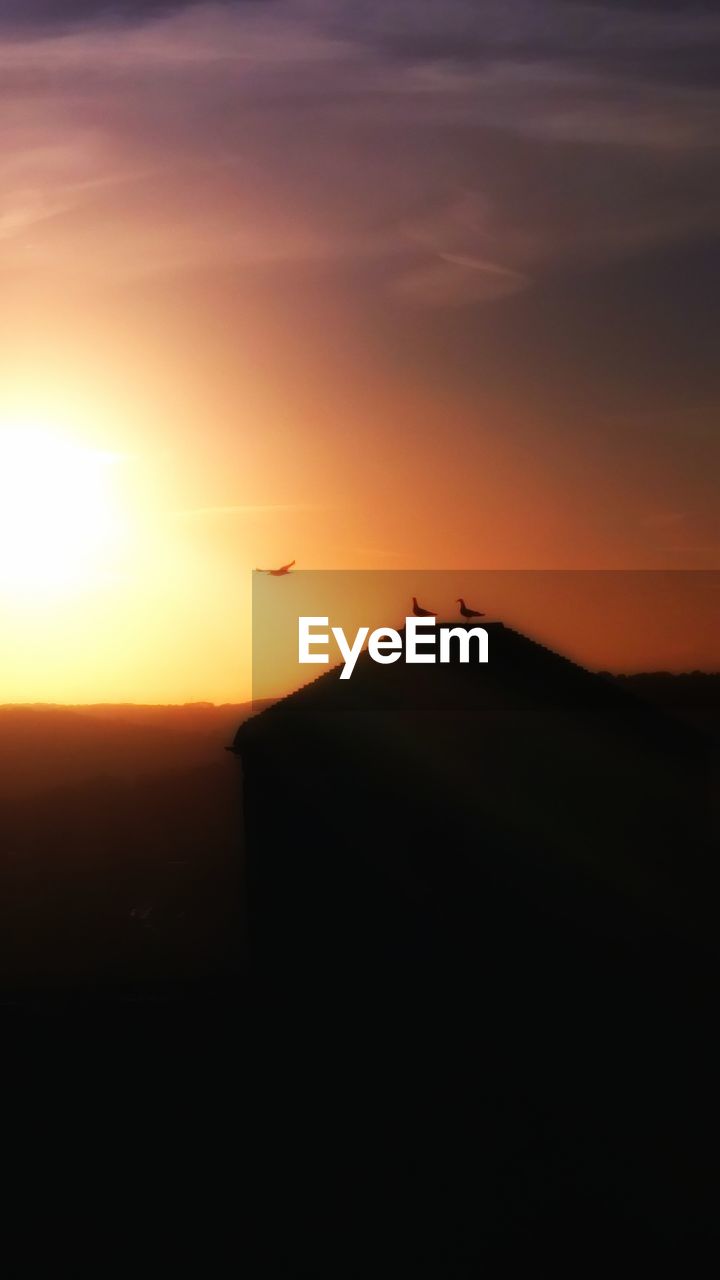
<point>451,281</point>
<point>655,38</point>
<point>48,14</point>
<point>245,509</point>
<point>462,151</point>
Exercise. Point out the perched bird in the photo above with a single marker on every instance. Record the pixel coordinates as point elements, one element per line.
<point>278,573</point>
<point>467,612</point>
<point>420,612</point>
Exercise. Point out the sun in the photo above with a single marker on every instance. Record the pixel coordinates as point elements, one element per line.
<point>59,518</point>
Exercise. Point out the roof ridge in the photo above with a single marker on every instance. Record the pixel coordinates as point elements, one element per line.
<point>522,654</point>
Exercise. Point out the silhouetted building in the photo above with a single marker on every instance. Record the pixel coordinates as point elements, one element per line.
<point>474,896</point>
<point>411,794</point>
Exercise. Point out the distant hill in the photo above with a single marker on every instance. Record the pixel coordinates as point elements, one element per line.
<point>120,844</point>
<point>46,746</point>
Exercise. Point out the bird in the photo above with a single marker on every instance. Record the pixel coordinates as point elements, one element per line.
<point>420,612</point>
<point>467,612</point>
<point>278,573</point>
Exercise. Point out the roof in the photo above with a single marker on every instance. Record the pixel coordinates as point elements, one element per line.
<point>522,677</point>
<point>530,760</point>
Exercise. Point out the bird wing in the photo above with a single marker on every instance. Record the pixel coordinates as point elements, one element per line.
<point>284,568</point>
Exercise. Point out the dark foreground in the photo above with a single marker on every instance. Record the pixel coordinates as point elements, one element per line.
<point>563,1110</point>
<point>440,1078</point>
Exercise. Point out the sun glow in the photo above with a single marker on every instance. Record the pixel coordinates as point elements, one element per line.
<point>60,522</point>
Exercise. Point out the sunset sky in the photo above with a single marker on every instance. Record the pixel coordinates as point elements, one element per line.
<point>367,283</point>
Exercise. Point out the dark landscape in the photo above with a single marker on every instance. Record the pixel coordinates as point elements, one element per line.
<point>121,839</point>
<point>458,996</point>
<point>120,848</point>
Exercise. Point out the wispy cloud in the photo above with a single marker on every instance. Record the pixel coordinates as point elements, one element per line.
<point>456,281</point>
<point>304,131</point>
<point>244,509</point>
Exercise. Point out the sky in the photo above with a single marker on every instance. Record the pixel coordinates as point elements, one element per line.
<point>376,284</point>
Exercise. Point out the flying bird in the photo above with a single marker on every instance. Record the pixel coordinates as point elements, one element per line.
<point>278,573</point>
<point>466,611</point>
<point>420,612</point>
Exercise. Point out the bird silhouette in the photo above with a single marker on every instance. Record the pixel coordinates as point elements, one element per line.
<point>420,612</point>
<point>278,573</point>
<point>466,611</point>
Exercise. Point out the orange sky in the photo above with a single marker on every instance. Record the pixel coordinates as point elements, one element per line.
<point>322,300</point>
